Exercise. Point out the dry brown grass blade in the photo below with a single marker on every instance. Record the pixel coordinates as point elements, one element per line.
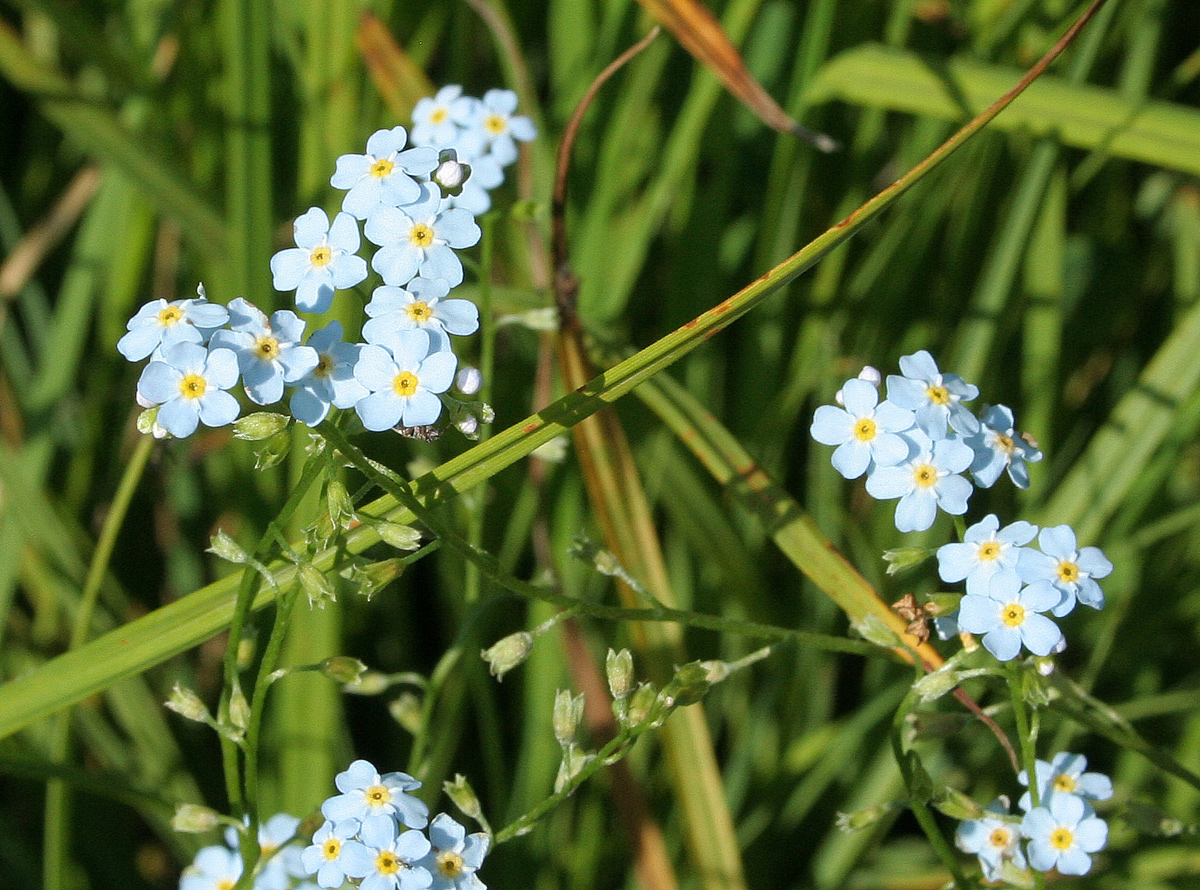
<point>702,36</point>
<point>399,79</point>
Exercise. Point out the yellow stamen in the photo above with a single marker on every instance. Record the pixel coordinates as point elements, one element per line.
<point>1061,838</point>
<point>1013,615</point>
<point>1063,782</point>
<point>387,862</point>
<point>1005,443</point>
<point>169,316</point>
<point>405,383</point>
<point>925,475</point>
<point>420,235</point>
<point>331,849</point>
<point>225,884</point>
<point>378,795</point>
<point>495,124</point>
<point>382,168</point>
<point>449,863</point>
<point>1068,572</point>
<point>939,395</point>
<point>266,349</point>
<point>989,550</point>
<point>192,386</point>
<point>419,311</point>
<point>864,430</point>
<point>439,115</point>
<point>321,256</point>
<point>1000,838</point>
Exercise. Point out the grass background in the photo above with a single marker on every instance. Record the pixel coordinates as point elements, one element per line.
<point>1054,261</point>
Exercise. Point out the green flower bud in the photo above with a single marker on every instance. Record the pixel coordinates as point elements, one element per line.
<point>370,578</point>
<point>188,705</point>
<point>227,549</point>
<point>259,425</point>
<point>956,805</point>
<point>874,629</point>
<point>619,668</point>
<point>507,653</point>
<point>936,684</point>
<point>903,558</point>
<point>687,687</point>
<point>239,710</point>
<point>861,819</point>
<point>273,451</point>
<point>343,669</point>
<point>642,704</point>
<point>571,766</point>
<point>568,712</point>
<point>402,537</point>
<point>406,710</point>
<point>316,585</point>
<point>192,818</point>
<point>463,795</point>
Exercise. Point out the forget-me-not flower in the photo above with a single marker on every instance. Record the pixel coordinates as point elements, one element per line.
<point>388,859</point>
<point>495,121</point>
<point>269,352</point>
<point>214,868</point>
<point>1009,616</point>
<point>999,447</point>
<point>936,398</point>
<point>325,259</point>
<point>438,120</point>
<point>420,304</point>
<point>325,857</point>
<point>1063,834</point>
<point>368,796</point>
<point>159,324</point>
<point>1064,774</point>
<point>332,381</point>
<point>986,549</point>
<point>420,239</point>
<point>993,839</point>
<point>386,176</point>
<point>925,481</point>
<point>455,856</point>
<point>404,378</point>
<point>188,384</point>
<point>1071,570</point>
<point>864,431</point>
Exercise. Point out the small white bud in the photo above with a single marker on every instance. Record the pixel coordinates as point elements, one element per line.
<point>468,426</point>
<point>871,375</point>
<point>192,818</point>
<point>450,175</point>
<point>507,653</point>
<point>837,397</point>
<point>200,291</point>
<point>469,380</point>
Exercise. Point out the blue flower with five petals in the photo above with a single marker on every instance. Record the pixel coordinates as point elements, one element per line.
<point>188,384</point>
<point>986,550</point>
<point>1071,570</point>
<point>324,260</point>
<point>864,431</point>
<point>1009,616</point>
<point>269,352</point>
<point>926,481</point>
<point>936,398</point>
<point>420,239</point>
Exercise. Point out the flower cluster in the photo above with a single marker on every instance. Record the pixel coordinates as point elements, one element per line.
<point>916,444</point>
<point>372,836</point>
<point>1010,585</point>
<point>219,867</point>
<point>417,199</point>
<point>1061,832</point>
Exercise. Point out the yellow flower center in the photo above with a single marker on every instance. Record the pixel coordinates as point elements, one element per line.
<point>321,256</point>
<point>324,367</point>
<point>1068,572</point>
<point>925,475</point>
<point>1000,838</point>
<point>331,849</point>
<point>1064,783</point>
<point>169,316</point>
<point>192,386</point>
<point>1061,838</point>
<point>419,311</point>
<point>439,115</point>
<point>225,884</point>
<point>1013,615</point>
<point>495,124</point>
<point>864,430</point>
<point>266,348</point>
<point>939,395</point>
<point>382,168</point>
<point>449,863</point>
<point>989,550</point>
<point>405,384</point>
<point>1005,443</point>
<point>420,235</point>
<point>378,795</point>
<point>387,862</point>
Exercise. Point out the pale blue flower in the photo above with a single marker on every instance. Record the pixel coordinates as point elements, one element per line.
<point>214,868</point>
<point>936,398</point>
<point>404,378</point>
<point>1062,834</point>
<point>326,857</point>
<point>420,239</point>
<point>437,121</point>
<point>268,351</point>
<point>332,381</point>
<point>1009,617</point>
<point>277,866</point>
<point>389,859</point>
<point>368,797</point>
<point>924,482</point>
<point>495,121</point>
<point>986,549</point>
<point>864,431</point>
<point>188,384</point>
<point>1071,570</point>
<point>992,838</point>
<point>385,176</point>
<point>419,305</point>
<point>159,324</point>
<point>1064,774</point>
<point>999,447</point>
<point>324,260</point>
<point>455,856</point>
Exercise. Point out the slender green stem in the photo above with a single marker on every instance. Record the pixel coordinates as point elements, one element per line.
<point>1016,684</point>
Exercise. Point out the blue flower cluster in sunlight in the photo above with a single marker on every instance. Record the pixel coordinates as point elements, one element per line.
<point>219,867</point>
<point>416,196</point>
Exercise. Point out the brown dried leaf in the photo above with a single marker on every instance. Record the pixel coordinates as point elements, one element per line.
<point>398,78</point>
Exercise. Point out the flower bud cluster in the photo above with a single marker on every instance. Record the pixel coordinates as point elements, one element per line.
<point>417,198</point>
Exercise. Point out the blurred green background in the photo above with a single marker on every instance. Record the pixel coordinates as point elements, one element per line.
<point>1054,261</point>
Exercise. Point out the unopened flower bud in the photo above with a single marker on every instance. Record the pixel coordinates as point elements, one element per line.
<point>371,683</point>
<point>406,710</point>
<point>463,795</point>
<point>315,585</point>
<point>619,667</point>
<point>572,764</point>
<point>871,375</point>
<point>450,175</point>
<point>507,653</point>
<point>687,687</point>
<point>860,819</point>
<point>227,549</point>
<point>187,704</point>
<point>259,425</point>
<point>957,805</point>
<point>343,669</point>
<point>192,818</point>
<point>935,684</point>
<point>641,703</point>
<point>468,381</point>
<point>568,712</point>
<point>239,710</point>
<point>468,426</point>
<point>905,558</point>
